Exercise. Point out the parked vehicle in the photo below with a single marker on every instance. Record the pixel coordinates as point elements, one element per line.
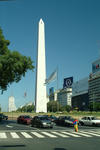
<point>65,121</point>
<point>42,121</point>
<point>5,117</point>
<point>24,119</point>
<point>51,118</point>
<point>89,120</point>
<point>2,116</point>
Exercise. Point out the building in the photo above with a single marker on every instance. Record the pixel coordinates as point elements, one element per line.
<point>63,96</point>
<point>11,106</point>
<point>80,101</point>
<point>94,82</point>
<point>80,97</point>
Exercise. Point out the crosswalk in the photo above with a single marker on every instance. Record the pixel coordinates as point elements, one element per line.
<point>48,134</point>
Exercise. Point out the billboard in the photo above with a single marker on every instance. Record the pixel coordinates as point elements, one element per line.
<point>96,66</point>
<point>68,82</point>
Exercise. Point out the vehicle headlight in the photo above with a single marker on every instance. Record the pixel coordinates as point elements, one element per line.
<point>44,123</point>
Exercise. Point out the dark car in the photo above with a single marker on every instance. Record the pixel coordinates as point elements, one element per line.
<point>41,121</point>
<point>5,117</point>
<point>24,119</point>
<point>65,121</point>
<point>2,116</point>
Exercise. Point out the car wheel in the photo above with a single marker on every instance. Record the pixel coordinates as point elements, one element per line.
<point>93,124</point>
<point>81,123</point>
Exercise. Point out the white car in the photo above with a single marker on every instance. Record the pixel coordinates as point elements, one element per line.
<point>89,120</point>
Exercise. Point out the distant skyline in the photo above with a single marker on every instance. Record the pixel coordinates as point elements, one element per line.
<point>72,37</point>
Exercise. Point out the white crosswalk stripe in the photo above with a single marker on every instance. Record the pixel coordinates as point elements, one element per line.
<point>26,135</point>
<point>91,133</point>
<point>48,134</point>
<point>38,135</point>
<point>14,135</point>
<point>3,135</point>
<point>60,134</point>
<point>82,134</point>
<point>71,134</point>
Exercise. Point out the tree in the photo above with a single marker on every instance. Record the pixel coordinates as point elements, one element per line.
<point>13,65</point>
<point>68,108</point>
<point>26,108</point>
<point>53,106</point>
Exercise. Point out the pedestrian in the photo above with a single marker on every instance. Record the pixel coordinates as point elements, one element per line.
<point>75,123</point>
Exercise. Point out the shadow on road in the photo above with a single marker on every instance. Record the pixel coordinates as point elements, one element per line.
<point>12,146</point>
<point>60,149</point>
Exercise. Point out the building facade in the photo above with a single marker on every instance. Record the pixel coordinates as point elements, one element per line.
<point>11,106</point>
<point>80,98</point>
<point>63,96</point>
<point>80,101</point>
<point>94,82</point>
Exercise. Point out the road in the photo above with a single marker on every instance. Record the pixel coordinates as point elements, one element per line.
<point>15,136</point>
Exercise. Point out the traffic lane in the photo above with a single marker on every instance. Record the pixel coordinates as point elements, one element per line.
<point>13,125</point>
<point>51,144</point>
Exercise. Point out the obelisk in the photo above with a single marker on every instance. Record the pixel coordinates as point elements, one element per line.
<point>40,89</point>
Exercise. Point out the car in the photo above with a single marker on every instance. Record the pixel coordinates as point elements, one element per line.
<point>89,120</point>
<point>2,116</point>
<point>5,117</point>
<point>41,121</point>
<point>51,118</point>
<point>24,119</point>
<point>65,121</point>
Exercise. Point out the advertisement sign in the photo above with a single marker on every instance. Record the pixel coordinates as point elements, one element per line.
<point>96,66</point>
<point>68,82</point>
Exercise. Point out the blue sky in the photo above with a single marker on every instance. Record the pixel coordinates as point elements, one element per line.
<point>72,32</point>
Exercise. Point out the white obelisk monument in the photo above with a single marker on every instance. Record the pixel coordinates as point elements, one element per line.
<point>40,91</point>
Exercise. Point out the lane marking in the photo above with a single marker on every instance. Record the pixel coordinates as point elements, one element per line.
<point>37,135</point>
<point>14,135</point>
<point>48,134</point>
<point>74,135</point>
<point>82,134</point>
<point>60,134</point>
<point>26,135</point>
<point>3,135</point>
<point>91,133</point>
<point>9,126</point>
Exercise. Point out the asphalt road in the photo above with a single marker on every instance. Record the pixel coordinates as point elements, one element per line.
<point>15,136</point>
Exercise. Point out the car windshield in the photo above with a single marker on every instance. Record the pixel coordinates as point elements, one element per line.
<point>94,118</point>
<point>43,118</point>
<point>27,117</point>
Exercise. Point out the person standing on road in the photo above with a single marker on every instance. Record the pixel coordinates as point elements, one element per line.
<point>75,123</point>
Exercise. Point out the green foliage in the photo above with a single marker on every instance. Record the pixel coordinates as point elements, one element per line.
<point>29,108</point>
<point>68,108</point>
<point>94,106</point>
<point>13,65</point>
<point>53,106</point>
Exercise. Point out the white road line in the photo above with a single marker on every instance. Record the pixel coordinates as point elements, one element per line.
<point>91,133</point>
<point>74,135</point>
<point>14,135</point>
<point>26,135</point>
<point>48,134</point>
<point>60,134</point>
<point>9,126</point>
<point>82,134</point>
<point>3,135</point>
<point>37,135</point>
